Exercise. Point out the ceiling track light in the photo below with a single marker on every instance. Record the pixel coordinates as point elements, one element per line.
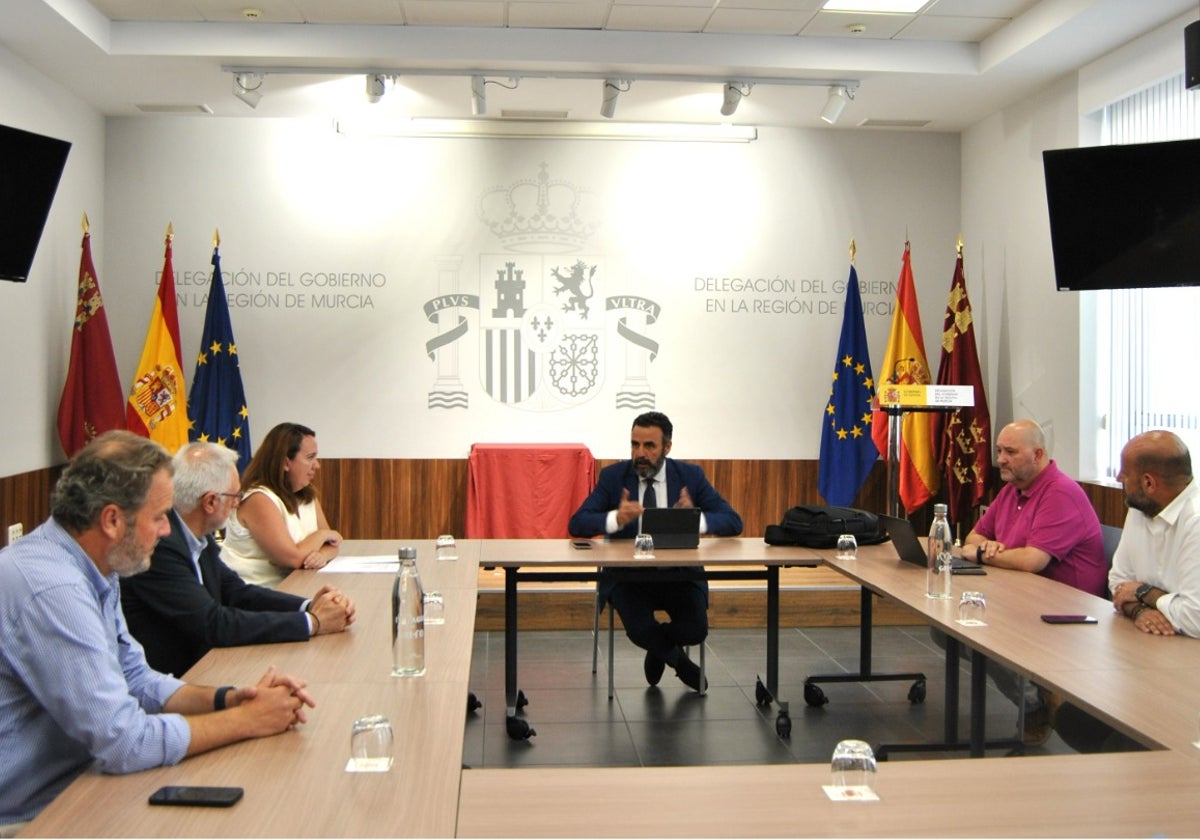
<point>836,103</point>
<point>479,91</point>
<point>376,86</point>
<point>734,93</point>
<point>613,88</point>
<point>246,87</point>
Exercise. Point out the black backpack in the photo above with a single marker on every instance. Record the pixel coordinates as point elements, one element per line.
<point>818,526</point>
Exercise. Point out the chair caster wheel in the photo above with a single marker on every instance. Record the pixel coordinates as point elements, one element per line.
<point>814,696</point>
<point>761,696</point>
<point>522,700</point>
<point>783,722</point>
<point>518,728</point>
<point>916,694</point>
<point>473,702</point>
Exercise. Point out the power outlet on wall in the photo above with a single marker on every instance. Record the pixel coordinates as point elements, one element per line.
<point>15,532</point>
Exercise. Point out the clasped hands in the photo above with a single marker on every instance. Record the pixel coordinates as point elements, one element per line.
<point>630,508</point>
<point>275,703</point>
<point>1148,620</point>
<point>333,609</point>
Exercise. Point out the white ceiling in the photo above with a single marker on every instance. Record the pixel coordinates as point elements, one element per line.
<point>947,66</point>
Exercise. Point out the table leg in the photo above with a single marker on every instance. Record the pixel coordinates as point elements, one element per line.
<point>978,702</point>
<point>950,722</point>
<point>510,640</point>
<point>517,727</point>
<point>773,630</point>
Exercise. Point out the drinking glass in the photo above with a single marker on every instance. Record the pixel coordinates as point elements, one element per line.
<point>435,608</point>
<point>972,608</point>
<point>853,765</point>
<point>847,547</point>
<point>371,745</point>
<point>643,547</point>
<point>447,548</point>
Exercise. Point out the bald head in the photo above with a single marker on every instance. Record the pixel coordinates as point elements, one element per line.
<point>1155,467</point>
<point>1021,452</point>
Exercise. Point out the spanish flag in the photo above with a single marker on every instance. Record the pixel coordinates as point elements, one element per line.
<point>905,363</point>
<point>157,406</point>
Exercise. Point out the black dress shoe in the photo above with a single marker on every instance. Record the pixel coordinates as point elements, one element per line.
<point>689,673</point>
<point>653,668</point>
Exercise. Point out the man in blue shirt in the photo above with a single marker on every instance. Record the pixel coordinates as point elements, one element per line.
<point>75,688</point>
<point>614,508</point>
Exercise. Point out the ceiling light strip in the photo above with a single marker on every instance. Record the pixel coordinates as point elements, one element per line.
<point>533,129</point>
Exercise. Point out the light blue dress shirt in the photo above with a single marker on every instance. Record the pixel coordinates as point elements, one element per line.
<point>74,685</point>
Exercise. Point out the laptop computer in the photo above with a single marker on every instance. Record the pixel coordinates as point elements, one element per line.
<point>910,549</point>
<point>672,527</point>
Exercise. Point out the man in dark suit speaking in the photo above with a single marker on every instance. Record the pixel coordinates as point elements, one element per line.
<point>189,601</point>
<point>614,508</point>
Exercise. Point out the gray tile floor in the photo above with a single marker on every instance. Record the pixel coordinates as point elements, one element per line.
<point>577,724</point>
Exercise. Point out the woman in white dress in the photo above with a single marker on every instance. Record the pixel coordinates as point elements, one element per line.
<point>279,525</point>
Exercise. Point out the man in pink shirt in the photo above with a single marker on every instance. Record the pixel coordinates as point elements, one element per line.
<point>1041,521</point>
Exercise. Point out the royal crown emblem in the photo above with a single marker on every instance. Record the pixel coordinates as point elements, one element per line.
<point>538,215</point>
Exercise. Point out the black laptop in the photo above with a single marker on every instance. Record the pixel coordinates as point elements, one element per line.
<point>672,527</point>
<point>910,549</point>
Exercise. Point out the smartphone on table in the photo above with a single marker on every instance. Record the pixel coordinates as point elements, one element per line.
<point>211,797</point>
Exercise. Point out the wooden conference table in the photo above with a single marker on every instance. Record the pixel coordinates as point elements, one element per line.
<point>1110,668</point>
<point>296,783</point>
<point>1148,687</point>
<point>562,560</point>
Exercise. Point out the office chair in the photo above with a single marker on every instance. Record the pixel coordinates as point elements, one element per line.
<point>600,605</point>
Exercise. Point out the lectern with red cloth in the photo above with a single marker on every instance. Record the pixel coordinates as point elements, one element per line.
<point>526,490</point>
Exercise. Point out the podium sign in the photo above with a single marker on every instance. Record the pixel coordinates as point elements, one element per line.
<point>926,396</point>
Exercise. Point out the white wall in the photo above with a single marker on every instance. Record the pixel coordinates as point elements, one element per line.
<point>36,316</point>
<point>1030,332</point>
<point>292,199</point>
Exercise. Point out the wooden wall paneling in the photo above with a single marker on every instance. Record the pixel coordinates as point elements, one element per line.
<point>372,498</point>
<point>395,498</point>
<point>1109,502</point>
<point>25,498</point>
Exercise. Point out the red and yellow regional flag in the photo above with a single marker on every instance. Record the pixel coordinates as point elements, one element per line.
<point>91,397</point>
<point>964,436</point>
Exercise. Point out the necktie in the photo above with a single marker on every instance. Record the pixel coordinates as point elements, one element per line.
<point>649,498</point>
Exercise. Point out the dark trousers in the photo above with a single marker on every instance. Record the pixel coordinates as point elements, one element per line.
<point>684,602</point>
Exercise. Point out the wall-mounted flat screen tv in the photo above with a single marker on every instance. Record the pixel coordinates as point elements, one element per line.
<point>30,167</point>
<point>1125,217</point>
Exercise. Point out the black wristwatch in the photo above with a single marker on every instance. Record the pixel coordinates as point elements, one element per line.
<point>1141,592</point>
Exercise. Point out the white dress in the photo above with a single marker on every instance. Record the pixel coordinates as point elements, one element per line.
<point>243,554</point>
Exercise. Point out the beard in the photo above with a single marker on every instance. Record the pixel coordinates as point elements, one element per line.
<point>128,558</point>
<point>1144,504</point>
<point>645,468</point>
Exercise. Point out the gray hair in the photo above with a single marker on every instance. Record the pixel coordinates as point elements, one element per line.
<point>114,469</point>
<point>201,468</point>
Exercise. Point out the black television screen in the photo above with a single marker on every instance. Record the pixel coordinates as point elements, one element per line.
<point>30,167</point>
<point>1125,217</point>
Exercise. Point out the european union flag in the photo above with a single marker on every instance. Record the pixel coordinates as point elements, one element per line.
<point>217,402</point>
<point>847,449</point>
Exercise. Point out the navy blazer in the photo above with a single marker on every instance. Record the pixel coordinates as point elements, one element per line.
<point>720,517</point>
<point>178,619</point>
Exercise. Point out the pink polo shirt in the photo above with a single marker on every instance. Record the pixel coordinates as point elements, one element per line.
<point>1053,515</point>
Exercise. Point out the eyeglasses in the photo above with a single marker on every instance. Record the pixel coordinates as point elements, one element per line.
<point>237,497</point>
